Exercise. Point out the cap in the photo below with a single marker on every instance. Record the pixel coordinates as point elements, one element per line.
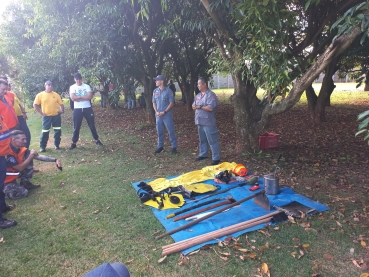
<point>48,82</point>
<point>77,76</point>
<point>159,78</point>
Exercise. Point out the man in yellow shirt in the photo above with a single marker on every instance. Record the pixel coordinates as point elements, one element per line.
<point>50,106</point>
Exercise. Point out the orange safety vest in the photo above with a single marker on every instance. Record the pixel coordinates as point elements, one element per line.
<point>4,138</point>
<point>8,112</point>
<point>11,173</point>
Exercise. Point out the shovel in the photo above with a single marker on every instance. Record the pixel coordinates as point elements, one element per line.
<point>262,200</point>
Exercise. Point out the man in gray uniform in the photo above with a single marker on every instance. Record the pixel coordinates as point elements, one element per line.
<point>205,105</point>
<point>163,102</point>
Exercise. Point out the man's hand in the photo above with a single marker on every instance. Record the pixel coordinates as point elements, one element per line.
<point>59,164</point>
<point>33,153</point>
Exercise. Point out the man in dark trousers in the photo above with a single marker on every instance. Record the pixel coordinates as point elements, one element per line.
<point>81,94</point>
<point>50,106</point>
<point>205,105</point>
<point>4,150</point>
<point>163,102</point>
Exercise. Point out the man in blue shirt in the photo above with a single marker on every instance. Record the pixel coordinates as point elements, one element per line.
<point>163,102</point>
<point>205,105</point>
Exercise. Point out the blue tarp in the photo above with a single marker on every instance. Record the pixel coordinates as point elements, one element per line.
<point>246,211</point>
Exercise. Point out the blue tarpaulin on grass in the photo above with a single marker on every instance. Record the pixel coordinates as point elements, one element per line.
<point>246,211</point>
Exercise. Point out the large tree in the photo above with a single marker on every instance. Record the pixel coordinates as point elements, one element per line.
<point>258,40</point>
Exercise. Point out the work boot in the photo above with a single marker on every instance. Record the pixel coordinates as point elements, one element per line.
<point>4,223</point>
<point>200,159</point>
<point>159,150</point>
<point>174,151</point>
<point>28,185</point>
<point>72,146</point>
<point>42,150</point>
<point>57,148</point>
<point>215,162</point>
<point>98,143</point>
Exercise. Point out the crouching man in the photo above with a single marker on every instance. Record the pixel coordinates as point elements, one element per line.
<point>20,165</point>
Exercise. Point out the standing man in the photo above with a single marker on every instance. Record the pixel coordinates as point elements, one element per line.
<point>4,150</point>
<point>81,94</point>
<point>163,102</point>
<point>50,106</point>
<point>205,105</point>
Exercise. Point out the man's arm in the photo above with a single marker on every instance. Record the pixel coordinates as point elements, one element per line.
<point>22,166</point>
<point>38,109</point>
<point>61,108</point>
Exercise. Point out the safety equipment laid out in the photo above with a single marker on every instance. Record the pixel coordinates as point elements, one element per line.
<point>224,176</point>
<point>240,170</point>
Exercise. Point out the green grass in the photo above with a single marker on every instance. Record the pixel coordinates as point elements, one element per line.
<point>89,214</point>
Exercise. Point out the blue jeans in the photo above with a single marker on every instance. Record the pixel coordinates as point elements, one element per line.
<point>167,121</point>
<point>2,179</point>
<point>209,134</point>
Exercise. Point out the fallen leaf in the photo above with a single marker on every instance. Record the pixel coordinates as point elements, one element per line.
<point>276,228</point>
<point>129,261</point>
<point>301,254</point>
<point>96,212</point>
<point>243,250</point>
<point>328,257</point>
<point>293,254</point>
<point>193,252</point>
<point>295,239</point>
<point>339,224</point>
<point>2,239</point>
<point>242,257</point>
<point>223,258</point>
<point>252,256</point>
<point>261,231</point>
<point>183,262</point>
<point>225,254</point>
<point>75,191</point>
<point>305,245</point>
<point>364,274</point>
<point>363,243</point>
<point>265,268</point>
<point>291,219</point>
<point>162,259</point>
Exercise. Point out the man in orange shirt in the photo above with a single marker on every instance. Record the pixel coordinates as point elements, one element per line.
<point>4,150</point>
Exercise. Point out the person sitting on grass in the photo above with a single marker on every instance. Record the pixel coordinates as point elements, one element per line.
<point>20,165</point>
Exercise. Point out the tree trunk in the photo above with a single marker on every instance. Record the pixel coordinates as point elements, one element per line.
<point>247,114</point>
<point>317,104</point>
<point>366,88</point>
<point>149,86</point>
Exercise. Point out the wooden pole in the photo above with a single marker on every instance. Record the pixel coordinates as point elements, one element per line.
<point>206,237</point>
<point>210,215</point>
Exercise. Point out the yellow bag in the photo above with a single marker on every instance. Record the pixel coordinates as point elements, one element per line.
<point>192,177</point>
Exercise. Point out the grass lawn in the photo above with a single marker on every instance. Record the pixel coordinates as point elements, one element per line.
<point>89,213</point>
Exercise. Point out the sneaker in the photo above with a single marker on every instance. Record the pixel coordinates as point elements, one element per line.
<point>200,159</point>
<point>29,185</point>
<point>9,208</point>
<point>215,162</point>
<point>57,148</point>
<point>98,143</point>
<point>4,223</point>
<point>174,151</point>
<point>72,146</point>
<point>159,150</point>
<point>42,150</point>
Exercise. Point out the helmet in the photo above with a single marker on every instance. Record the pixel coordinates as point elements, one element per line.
<point>240,170</point>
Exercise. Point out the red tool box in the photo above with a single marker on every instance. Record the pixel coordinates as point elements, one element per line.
<point>268,140</point>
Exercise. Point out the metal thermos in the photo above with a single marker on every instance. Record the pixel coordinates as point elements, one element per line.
<point>271,184</point>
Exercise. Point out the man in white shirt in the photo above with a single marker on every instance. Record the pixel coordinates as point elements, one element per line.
<point>81,94</point>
